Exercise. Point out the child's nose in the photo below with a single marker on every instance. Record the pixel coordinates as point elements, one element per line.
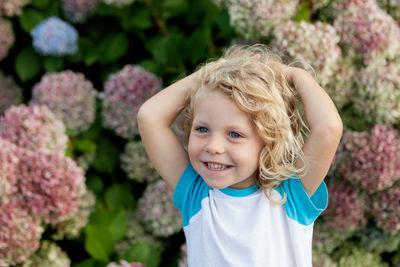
<point>214,146</point>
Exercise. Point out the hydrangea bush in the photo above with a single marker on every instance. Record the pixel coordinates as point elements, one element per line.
<point>78,11</point>
<point>48,255</point>
<point>367,29</point>
<point>136,164</point>
<point>10,92</point>
<point>156,211</point>
<point>33,127</point>
<point>124,92</point>
<point>255,19</point>
<point>315,44</point>
<point>55,37</point>
<point>7,37</point>
<point>70,96</point>
<point>10,8</point>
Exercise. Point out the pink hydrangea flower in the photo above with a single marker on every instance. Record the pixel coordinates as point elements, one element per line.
<point>49,185</point>
<point>315,44</point>
<point>78,11</point>
<point>346,209</point>
<point>12,7</point>
<point>124,92</point>
<point>377,95</point>
<point>254,19</point>
<point>386,209</point>
<point>391,7</point>
<point>156,211</point>
<point>371,160</point>
<point>33,127</point>
<point>367,29</point>
<point>136,164</point>
<point>10,92</point>
<point>7,37</point>
<point>69,96</point>
<point>19,233</point>
<point>48,255</point>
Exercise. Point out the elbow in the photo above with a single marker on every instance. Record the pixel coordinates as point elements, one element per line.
<point>331,130</point>
<point>142,116</point>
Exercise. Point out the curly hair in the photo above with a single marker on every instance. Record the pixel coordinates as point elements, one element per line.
<point>253,78</point>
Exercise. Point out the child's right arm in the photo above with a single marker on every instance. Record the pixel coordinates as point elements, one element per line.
<point>154,118</point>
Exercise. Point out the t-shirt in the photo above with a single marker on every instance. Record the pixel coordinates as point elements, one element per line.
<point>241,227</point>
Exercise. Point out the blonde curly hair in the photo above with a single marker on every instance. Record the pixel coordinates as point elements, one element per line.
<point>253,78</point>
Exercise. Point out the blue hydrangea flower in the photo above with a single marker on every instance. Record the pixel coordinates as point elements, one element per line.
<point>55,37</point>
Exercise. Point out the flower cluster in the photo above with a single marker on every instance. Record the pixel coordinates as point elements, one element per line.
<point>321,259</point>
<point>254,19</point>
<point>48,255</point>
<point>353,256</point>
<point>8,161</point>
<point>124,92</point>
<point>33,127</point>
<point>69,96</point>
<point>367,29</point>
<point>372,160</point>
<point>55,37</point>
<point>118,3</point>
<point>156,211</point>
<point>136,164</point>
<point>386,209</point>
<point>135,233</point>
<point>10,92</point>
<point>346,210</point>
<point>72,226</point>
<point>7,37</point>
<point>340,85</point>
<point>315,44</point>
<point>377,95</point>
<point>12,7</point>
<point>78,11</point>
<point>49,185</point>
<point>123,263</point>
<point>19,233</point>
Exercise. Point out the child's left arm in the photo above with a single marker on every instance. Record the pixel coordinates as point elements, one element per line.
<point>325,125</point>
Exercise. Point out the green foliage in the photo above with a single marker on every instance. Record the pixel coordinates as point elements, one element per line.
<point>143,252</point>
<point>27,64</point>
<point>107,156</point>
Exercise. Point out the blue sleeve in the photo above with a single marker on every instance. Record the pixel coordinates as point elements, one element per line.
<point>189,192</point>
<point>299,206</point>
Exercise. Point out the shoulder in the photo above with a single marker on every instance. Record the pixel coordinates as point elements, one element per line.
<point>299,206</point>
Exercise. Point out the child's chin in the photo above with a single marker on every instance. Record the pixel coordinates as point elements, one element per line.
<point>215,185</point>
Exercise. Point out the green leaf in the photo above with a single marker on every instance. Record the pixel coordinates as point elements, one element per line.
<point>140,252</point>
<point>151,66</point>
<point>118,196</point>
<point>303,14</point>
<point>40,3</point>
<point>27,64</point>
<point>112,47</point>
<point>168,50</point>
<point>142,19</point>
<point>85,263</point>
<point>94,183</point>
<point>172,8</point>
<point>106,157</point>
<point>29,19</point>
<point>98,242</point>
<point>198,42</point>
<point>118,226</point>
<point>53,64</point>
<point>84,145</point>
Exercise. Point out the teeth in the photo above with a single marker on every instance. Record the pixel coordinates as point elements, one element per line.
<point>218,167</point>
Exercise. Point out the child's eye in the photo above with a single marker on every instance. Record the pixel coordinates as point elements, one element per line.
<point>202,129</point>
<point>234,135</point>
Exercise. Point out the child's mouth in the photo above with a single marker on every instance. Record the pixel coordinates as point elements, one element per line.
<point>216,166</point>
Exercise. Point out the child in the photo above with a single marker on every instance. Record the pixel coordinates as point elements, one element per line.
<point>237,184</point>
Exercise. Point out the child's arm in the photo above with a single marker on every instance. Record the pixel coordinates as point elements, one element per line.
<point>154,120</point>
<point>325,125</point>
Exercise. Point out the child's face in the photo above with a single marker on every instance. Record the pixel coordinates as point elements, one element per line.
<point>224,146</point>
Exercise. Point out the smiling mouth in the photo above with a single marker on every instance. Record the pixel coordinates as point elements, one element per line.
<point>216,166</point>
